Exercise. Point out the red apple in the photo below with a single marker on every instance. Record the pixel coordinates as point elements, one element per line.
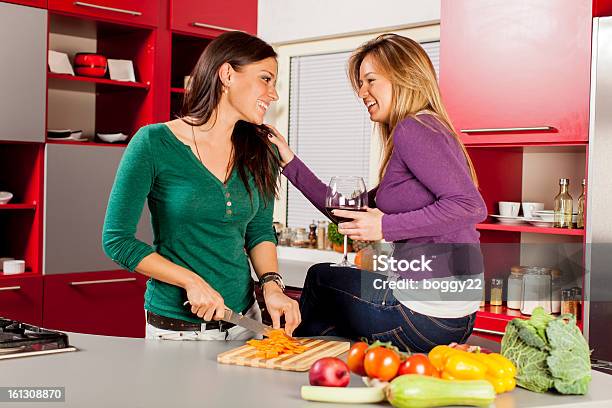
<point>329,372</point>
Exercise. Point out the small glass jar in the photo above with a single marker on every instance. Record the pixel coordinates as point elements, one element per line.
<point>321,234</point>
<point>497,290</point>
<point>557,286</point>
<point>285,237</point>
<point>515,287</point>
<point>577,296</point>
<point>300,238</point>
<point>569,305</point>
<point>537,288</point>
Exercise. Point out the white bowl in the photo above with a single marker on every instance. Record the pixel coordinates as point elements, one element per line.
<point>5,197</point>
<point>112,137</point>
<point>13,267</point>
<point>2,262</point>
<point>530,207</point>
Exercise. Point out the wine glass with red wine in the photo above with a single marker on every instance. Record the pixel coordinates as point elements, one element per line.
<point>345,193</point>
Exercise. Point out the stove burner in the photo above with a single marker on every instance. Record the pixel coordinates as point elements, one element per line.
<point>18,337</point>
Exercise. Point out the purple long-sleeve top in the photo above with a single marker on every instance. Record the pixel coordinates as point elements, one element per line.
<point>426,194</point>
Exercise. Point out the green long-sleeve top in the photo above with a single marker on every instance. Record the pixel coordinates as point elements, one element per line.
<point>198,222</point>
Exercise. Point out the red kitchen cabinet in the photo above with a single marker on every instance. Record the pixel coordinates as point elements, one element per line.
<point>602,8</point>
<point>21,299</point>
<point>517,71</point>
<point>31,3</point>
<point>106,303</point>
<point>135,12</point>
<point>210,18</point>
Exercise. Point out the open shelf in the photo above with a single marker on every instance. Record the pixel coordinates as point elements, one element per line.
<point>28,272</point>
<point>492,320</point>
<point>17,207</point>
<point>100,105</point>
<point>108,83</point>
<point>75,142</point>
<point>530,229</point>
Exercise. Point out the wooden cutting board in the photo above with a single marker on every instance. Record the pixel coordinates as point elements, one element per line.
<point>316,349</point>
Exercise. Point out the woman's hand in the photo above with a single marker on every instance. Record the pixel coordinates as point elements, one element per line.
<point>366,226</point>
<point>205,302</point>
<point>279,141</point>
<point>279,304</point>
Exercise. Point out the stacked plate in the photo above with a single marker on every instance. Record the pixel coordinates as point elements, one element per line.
<point>543,218</point>
<point>509,220</point>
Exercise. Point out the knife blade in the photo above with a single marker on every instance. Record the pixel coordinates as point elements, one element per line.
<point>246,322</point>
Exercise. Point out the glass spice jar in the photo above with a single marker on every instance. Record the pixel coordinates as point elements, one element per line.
<point>321,234</point>
<point>300,238</point>
<point>537,287</point>
<point>497,289</point>
<point>569,305</point>
<point>515,287</point>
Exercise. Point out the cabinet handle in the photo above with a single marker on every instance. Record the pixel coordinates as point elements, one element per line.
<point>511,129</point>
<point>6,288</point>
<point>488,331</point>
<point>214,27</point>
<point>95,282</point>
<point>116,10</point>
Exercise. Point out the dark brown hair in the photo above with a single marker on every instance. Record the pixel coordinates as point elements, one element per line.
<point>253,151</point>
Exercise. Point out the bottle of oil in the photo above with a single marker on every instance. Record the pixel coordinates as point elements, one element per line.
<point>581,205</point>
<point>563,206</point>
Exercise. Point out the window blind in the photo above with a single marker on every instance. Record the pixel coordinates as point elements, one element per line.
<point>329,127</point>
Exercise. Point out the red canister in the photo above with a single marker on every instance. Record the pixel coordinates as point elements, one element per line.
<point>92,65</point>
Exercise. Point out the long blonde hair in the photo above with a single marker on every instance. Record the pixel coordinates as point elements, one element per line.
<point>414,88</point>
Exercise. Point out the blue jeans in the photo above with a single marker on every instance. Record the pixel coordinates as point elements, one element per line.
<point>343,302</point>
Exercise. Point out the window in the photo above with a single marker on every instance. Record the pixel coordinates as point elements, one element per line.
<point>329,127</point>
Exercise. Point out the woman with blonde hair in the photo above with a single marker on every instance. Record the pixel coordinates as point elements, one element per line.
<point>427,202</point>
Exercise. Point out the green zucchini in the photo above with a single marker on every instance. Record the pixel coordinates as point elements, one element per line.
<point>419,391</point>
<point>350,395</point>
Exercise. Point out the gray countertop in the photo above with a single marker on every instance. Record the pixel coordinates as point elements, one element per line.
<point>124,372</point>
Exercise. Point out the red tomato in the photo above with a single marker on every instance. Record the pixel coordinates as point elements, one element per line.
<point>418,364</point>
<point>381,363</point>
<point>355,358</point>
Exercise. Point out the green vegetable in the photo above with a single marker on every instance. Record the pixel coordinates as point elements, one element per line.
<point>548,353</point>
<point>334,236</point>
<point>419,391</point>
<point>355,395</point>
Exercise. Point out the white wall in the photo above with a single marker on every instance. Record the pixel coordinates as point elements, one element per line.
<point>282,21</point>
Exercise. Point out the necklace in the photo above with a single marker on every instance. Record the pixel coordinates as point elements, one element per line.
<point>200,158</point>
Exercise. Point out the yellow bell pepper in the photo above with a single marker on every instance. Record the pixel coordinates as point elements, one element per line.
<point>500,371</point>
<point>456,364</point>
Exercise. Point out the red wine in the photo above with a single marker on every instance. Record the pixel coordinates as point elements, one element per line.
<point>337,219</point>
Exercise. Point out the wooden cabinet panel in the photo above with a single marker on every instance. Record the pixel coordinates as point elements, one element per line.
<point>106,303</point>
<point>210,18</point>
<point>519,64</point>
<point>79,180</point>
<point>135,12</point>
<point>21,299</point>
<point>23,64</point>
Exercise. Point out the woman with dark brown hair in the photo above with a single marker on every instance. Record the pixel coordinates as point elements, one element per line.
<point>210,179</point>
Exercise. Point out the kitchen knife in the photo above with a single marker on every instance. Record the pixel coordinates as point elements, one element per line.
<point>246,322</point>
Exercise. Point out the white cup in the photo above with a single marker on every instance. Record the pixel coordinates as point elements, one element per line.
<point>529,208</point>
<point>2,262</point>
<point>509,208</point>
<point>13,267</point>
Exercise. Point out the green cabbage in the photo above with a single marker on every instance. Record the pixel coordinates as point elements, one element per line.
<point>548,353</point>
